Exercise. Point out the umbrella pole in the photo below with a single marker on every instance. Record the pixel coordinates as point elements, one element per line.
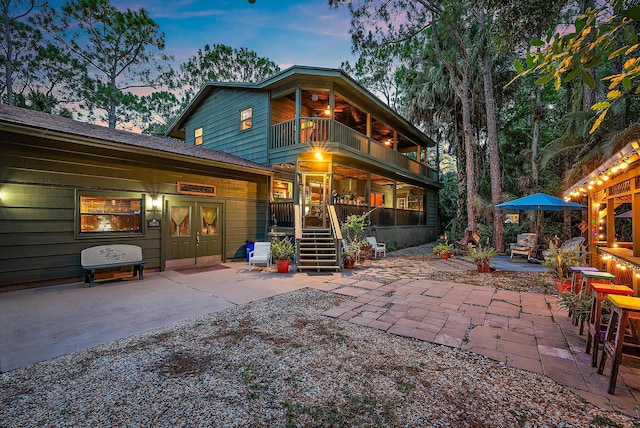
<point>538,223</point>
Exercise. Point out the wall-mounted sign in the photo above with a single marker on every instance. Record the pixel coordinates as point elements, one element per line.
<point>196,189</point>
<point>153,223</point>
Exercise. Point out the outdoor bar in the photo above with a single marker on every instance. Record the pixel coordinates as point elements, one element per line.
<point>612,193</point>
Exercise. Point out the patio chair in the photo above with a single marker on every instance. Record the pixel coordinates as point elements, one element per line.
<point>526,245</point>
<point>261,254</point>
<point>378,247</point>
<point>570,246</point>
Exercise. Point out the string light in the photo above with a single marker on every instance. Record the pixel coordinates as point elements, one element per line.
<point>621,264</point>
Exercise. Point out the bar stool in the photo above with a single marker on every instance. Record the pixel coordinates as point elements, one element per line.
<point>576,279</point>
<point>576,276</point>
<point>588,278</point>
<point>624,309</point>
<point>594,323</point>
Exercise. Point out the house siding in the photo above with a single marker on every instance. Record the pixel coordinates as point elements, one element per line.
<point>42,180</point>
<point>221,126</point>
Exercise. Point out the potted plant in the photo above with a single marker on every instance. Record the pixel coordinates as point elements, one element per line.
<point>558,260</point>
<point>482,256</point>
<point>443,250</point>
<point>350,254</point>
<point>283,251</point>
<point>366,251</point>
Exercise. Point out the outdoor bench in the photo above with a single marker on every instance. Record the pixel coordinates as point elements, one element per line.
<point>110,257</point>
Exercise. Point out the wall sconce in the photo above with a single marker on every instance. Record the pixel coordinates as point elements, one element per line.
<point>1,195</point>
<point>155,203</point>
<point>318,155</point>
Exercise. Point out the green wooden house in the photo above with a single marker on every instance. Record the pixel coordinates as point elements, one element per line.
<point>67,185</point>
<point>336,150</point>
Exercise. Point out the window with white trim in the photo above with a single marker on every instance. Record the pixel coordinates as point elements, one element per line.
<point>246,119</point>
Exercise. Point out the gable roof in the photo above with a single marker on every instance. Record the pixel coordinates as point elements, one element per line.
<point>52,126</point>
<point>290,77</point>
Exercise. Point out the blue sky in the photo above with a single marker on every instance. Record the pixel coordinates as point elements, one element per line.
<point>288,32</point>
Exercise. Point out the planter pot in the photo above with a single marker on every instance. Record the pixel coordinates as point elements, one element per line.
<point>349,262</point>
<point>366,252</point>
<point>483,267</point>
<point>563,286</point>
<point>445,256</point>
<point>283,265</point>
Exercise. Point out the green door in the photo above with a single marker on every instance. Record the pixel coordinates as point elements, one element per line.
<point>194,233</point>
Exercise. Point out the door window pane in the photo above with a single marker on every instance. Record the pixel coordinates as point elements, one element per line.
<point>180,221</point>
<point>209,220</point>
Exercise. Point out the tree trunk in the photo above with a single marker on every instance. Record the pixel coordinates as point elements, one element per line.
<point>469,146</point>
<point>494,150</point>
<point>538,114</point>
<point>459,76</point>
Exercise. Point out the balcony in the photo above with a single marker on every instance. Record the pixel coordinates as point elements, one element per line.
<point>331,133</point>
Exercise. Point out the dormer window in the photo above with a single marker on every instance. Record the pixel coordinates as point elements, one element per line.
<point>246,119</point>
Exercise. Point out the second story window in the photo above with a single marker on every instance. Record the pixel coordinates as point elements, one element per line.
<point>246,118</point>
<point>197,134</point>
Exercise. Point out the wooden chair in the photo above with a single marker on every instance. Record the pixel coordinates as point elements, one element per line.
<point>261,254</point>
<point>378,247</point>
<point>526,245</point>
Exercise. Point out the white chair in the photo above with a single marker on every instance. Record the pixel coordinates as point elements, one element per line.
<point>261,254</point>
<point>378,247</point>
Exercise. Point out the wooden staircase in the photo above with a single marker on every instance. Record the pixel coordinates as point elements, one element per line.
<point>318,250</point>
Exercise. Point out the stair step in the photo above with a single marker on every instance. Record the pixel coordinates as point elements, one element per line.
<point>317,251</point>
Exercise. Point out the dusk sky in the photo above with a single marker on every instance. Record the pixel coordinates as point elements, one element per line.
<point>288,32</point>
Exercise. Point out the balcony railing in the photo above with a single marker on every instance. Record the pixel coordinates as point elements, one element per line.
<point>322,130</point>
<point>284,214</point>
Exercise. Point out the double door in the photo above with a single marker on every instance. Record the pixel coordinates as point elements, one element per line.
<point>193,234</point>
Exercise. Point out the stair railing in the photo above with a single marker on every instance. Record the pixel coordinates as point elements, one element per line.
<point>335,231</point>
<point>297,228</point>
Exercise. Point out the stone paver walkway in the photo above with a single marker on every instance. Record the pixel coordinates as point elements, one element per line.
<point>521,330</point>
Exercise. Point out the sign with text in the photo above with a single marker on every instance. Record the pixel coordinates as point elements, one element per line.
<point>196,189</point>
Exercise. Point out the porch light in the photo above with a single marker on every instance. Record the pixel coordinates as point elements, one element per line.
<point>155,203</point>
<point>328,110</point>
<point>319,155</point>
<point>623,165</point>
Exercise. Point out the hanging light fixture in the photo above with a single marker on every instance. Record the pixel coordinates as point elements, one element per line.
<point>314,96</point>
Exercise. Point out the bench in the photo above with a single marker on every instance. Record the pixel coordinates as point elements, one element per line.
<point>110,257</point>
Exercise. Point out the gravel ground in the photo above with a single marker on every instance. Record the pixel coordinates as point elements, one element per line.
<point>413,262</point>
<point>280,362</point>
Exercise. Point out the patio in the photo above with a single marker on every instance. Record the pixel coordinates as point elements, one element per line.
<point>396,295</point>
<point>519,329</point>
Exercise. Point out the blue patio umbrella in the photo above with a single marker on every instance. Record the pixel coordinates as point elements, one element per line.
<point>540,202</point>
